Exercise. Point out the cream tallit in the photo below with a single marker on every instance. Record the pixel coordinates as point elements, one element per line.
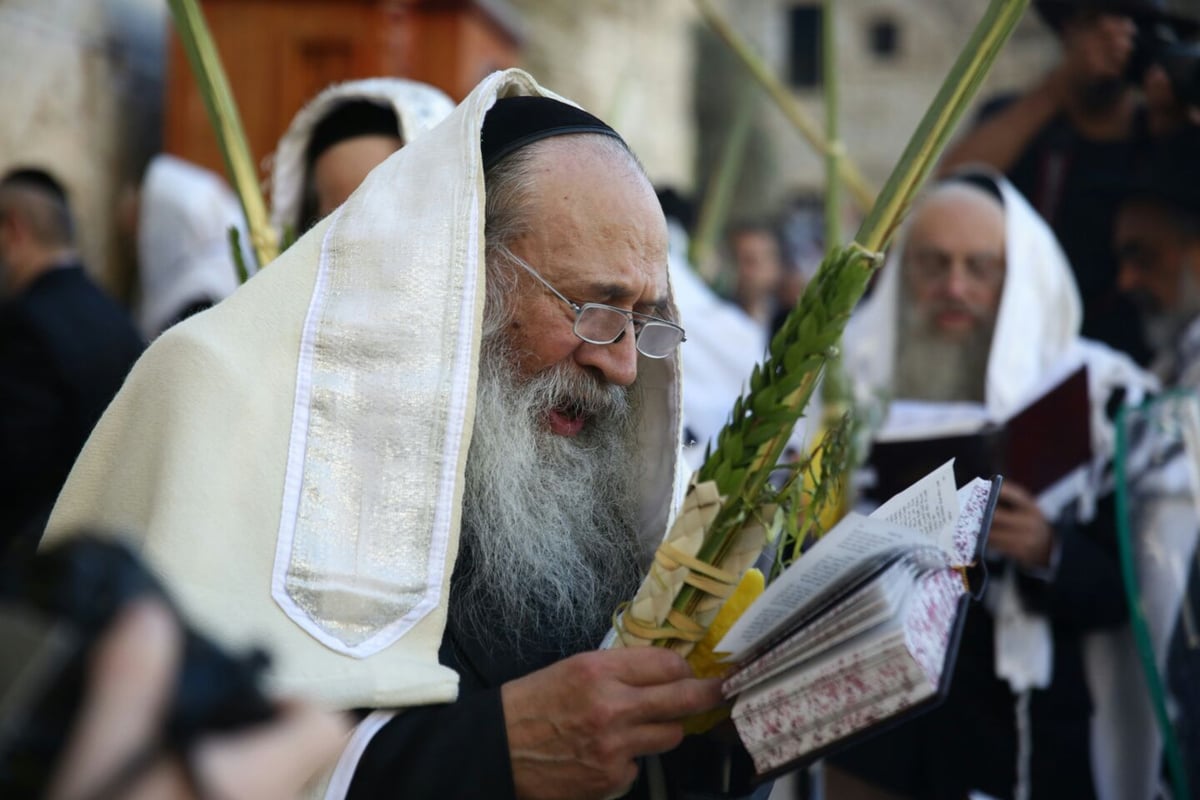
<point>291,461</point>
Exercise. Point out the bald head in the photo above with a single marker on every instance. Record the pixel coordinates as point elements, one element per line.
<point>954,258</point>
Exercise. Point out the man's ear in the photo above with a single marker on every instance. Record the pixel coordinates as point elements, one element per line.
<point>12,226</point>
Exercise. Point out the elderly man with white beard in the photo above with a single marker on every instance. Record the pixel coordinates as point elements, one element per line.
<point>431,452</point>
<point>977,305</point>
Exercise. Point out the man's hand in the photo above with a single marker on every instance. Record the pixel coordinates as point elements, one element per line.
<point>1019,531</point>
<point>129,685</point>
<point>575,727</point>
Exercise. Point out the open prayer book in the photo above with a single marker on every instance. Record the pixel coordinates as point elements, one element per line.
<point>862,630</point>
<point>917,436</point>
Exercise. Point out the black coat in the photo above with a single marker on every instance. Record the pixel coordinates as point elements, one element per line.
<point>460,749</point>
<point>65,348</point>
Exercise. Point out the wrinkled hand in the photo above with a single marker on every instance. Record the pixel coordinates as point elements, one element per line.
<point>1096,49</point>
<point>1019,531</point>
<point>575,727</point>
<point>129,684</point>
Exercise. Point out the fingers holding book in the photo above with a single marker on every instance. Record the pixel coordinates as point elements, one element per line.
<point>1019,529</point>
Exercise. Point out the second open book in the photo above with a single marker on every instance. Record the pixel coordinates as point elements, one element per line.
<point>862,630</point>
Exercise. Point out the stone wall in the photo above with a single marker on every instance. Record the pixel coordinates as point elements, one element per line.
<point>82,82</point>
<point>882,99</point>
<point>657,73</point>
<point>629,62</point>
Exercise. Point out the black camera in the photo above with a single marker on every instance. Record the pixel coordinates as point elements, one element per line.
<point>54,607</point>
<point>1164,43</point>
<point>1181,62</point>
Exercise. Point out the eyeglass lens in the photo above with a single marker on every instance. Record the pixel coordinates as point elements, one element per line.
<point>603,325</point>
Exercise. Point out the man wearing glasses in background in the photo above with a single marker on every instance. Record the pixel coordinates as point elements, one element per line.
<point>976,310</point>
<point>429,457</point>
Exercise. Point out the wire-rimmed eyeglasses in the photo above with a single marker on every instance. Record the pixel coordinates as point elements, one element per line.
<point>597,323</point>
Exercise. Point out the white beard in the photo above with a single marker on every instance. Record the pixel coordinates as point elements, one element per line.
<point>549,520</point>
<point>936,369</point>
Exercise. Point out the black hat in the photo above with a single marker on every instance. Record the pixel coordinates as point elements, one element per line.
<point>514,122</point>
<point>348,120</point>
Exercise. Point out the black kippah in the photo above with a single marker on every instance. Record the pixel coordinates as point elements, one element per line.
<point>979,180</point>
<point>514,122</point>
<point>348,120</point>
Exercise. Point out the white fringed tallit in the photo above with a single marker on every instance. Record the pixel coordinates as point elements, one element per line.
<point>291,461</point>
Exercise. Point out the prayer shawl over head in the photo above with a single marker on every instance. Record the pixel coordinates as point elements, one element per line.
<point>1036,332</point>
<point>184,256</point>
<point>418,106</point>
<point>292,460</point>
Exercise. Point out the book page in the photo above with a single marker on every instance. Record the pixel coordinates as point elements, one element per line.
<point>855,545</point>
<point>873,604</point>
<point>919,419</point>
<point>929,506</point>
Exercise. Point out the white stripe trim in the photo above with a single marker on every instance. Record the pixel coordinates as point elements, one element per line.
<point>297,446</point>
<point>343,773</point>
<point>457,421</point>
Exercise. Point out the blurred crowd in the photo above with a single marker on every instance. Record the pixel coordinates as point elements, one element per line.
<point>1061,230</point>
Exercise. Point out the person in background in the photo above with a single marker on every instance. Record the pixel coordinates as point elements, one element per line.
<point>723,343</point>
<point>180,218</point>
<point>976,304</point>
<point>1157,244</point>
<point>65,348</point>
<point>758,271</point>
<point>1070,141</point>
<point>340,136</point>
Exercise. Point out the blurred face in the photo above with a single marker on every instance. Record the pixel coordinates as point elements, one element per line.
<point>599,236</point>
<point>1156,261</point>
<point>758,264</point>
<point>954,261</point>
<point>1165,114</point>
<point>1096,50</point>
<point>339,170</point>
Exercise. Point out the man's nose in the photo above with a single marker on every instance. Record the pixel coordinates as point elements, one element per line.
<point>617,362</point>
<point>1128,279</point>
<point>956,283</point>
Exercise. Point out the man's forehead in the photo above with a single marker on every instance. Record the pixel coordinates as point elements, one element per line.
<point>960,215</point>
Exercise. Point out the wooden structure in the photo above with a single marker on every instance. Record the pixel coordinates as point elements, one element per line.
<point>280,53</point>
